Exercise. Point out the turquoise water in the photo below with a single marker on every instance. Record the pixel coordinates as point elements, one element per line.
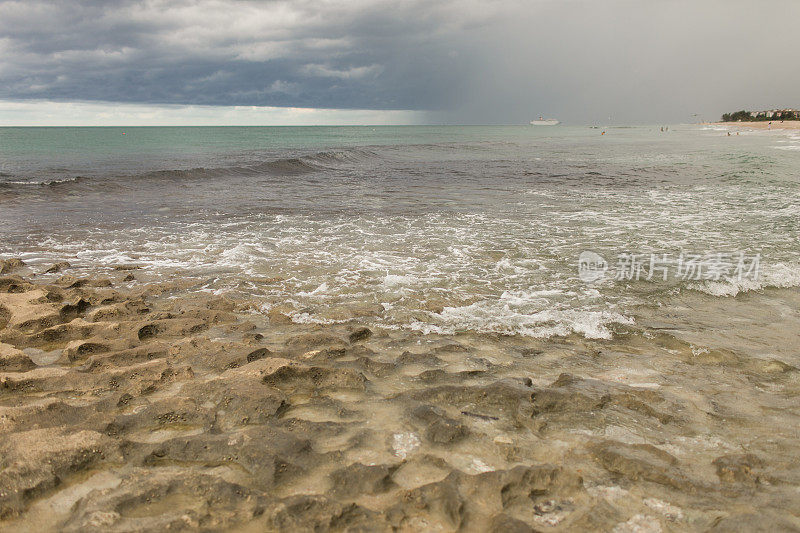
<point>447,228</point>
<point>52,152</point>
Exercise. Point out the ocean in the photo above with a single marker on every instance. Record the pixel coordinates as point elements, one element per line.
<point>450,229</point>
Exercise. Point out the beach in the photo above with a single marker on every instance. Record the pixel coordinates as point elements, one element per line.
<point>399,329</point>
<point>763,125</point>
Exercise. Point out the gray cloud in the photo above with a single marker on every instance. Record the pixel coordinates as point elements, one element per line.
<point>469,61</point>
<point>369,54</point>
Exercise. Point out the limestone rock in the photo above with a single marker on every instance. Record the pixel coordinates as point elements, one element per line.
<point>360,334</point>
<point>166,499</point>
<point>57,267</point>
<point>13,360</point>
<point>357,479</point>
<point>7,266</point>
<point>641,461</point>
<point>37,460</point>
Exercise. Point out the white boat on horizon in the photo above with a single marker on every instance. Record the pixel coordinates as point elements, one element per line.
<point>545,122</point>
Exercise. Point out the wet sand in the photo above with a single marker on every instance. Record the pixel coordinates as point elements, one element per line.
<point>776,125</point>
<point>130,404</point>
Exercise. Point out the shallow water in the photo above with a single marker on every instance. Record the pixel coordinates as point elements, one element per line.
<point>449,229</point>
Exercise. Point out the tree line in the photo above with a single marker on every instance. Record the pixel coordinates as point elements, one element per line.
<point>747,116</point>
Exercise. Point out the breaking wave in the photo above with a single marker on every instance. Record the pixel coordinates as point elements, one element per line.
<point>43,183</point>
<point>286,166</point>
<point>777,276</point>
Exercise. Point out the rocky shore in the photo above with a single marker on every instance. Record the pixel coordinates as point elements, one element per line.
<point>130,404</point>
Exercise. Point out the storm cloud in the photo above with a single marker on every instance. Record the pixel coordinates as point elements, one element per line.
<point>460,60</point>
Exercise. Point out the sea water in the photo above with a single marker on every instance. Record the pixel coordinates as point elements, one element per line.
<point>447,229</point>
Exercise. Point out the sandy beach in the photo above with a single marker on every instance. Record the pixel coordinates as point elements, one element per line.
<point>760,125</point>
<point>129,404</point>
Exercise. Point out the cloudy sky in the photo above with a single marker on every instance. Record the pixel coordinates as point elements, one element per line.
<point>379,61</point>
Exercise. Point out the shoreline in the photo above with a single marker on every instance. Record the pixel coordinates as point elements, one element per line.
<point>121,394</point>
<point>761,125</point>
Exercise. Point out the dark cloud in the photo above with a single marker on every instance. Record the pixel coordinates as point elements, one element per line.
<point>470,61</point>
<point>370,54</point>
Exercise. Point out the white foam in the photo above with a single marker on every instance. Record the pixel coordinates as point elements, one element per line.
<point>725,288</point>
<point>320,290</point>
<point>404,444</point>
<point>639,523</point>
<point>779,275</point>
<point>500,317</point>
<point>395,280</point>
<point>669,511</point>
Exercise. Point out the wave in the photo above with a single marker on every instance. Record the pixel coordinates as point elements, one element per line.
<point>287,166</point>
<point>777,276</point>
<point>332,157</point>
<point>489,316</point>
<point>44,183</point>
<point>280,167</point>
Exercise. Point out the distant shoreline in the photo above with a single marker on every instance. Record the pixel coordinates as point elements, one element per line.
<point>761,125</point>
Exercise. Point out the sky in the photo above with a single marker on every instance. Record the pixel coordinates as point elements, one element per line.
<point>304,62</point>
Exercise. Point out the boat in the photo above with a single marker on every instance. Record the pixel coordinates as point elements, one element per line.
<point>545,122</point>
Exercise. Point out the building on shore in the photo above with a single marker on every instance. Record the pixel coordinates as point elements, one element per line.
<point>769,114</point>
